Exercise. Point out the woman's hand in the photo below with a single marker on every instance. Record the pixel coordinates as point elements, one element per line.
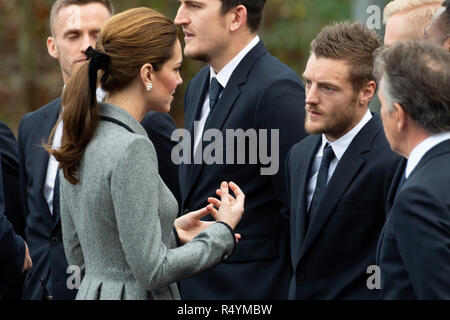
<point>189,225</point>
<point>230,208</point>
<point>230,211</point>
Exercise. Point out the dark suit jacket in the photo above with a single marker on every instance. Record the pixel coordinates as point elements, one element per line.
<point>12,247</point>
<point>10,171</point>
<point>159,127</point>
<point>43,230</point>
<point>262,93</point>
<point>330,259</point>
<point>414,248</point>
<point>11,196</point>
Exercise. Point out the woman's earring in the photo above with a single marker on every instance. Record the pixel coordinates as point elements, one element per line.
<point>149,87</point>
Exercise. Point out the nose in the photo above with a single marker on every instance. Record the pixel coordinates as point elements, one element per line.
<point>86,42</point>
<point>181,18</point>
<point>179,80</point>
<point>312,95</point>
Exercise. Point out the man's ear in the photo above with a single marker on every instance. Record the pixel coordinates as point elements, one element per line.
<point>400,116</point>
<point>446,44</point>
<point>367,92</point>
<point>239,17</point>
<point>52,48</point>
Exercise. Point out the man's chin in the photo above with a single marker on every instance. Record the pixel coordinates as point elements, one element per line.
<point>195,55</point>
<point>314,130</point>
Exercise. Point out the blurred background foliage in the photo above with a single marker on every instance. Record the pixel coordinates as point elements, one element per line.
<point>30,78</point>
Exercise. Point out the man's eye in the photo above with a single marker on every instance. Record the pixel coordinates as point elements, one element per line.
<point>194,6</point>
<point>72,36</point>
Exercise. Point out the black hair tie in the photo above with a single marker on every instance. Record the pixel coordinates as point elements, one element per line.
<point>99,61</point>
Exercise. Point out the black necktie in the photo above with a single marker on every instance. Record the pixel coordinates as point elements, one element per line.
<point>215,89</point>
<point>322,179</point>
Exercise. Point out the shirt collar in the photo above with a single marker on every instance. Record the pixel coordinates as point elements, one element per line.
<point>422,148</point>
<point>340,145</point>
<point>225,74</point>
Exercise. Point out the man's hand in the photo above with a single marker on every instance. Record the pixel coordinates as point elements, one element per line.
<point>27,264</point>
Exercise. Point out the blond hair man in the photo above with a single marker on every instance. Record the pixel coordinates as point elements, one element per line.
<point>407,19</point>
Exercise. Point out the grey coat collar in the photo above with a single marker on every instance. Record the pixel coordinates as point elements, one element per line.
<point>109,110</point>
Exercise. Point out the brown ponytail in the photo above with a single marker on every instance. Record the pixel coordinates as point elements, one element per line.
<point>80,120</point>
<point>130,40</point>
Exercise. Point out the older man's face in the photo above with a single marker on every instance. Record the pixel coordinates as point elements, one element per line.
<point>389,124</point>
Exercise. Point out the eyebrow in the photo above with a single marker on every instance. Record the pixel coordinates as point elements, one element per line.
<point>323,83</point>
<point>71,31</point>
<point>192,2</point>
<point>79,31</point>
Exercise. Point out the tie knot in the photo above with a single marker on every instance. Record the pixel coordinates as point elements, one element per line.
<point>215,89</point>
<point>328,155</point>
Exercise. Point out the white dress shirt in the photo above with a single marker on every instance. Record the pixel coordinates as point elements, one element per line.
<point>339,147</point>
<point>422,148</point>
<point>52,168</point>
<point>222,77</point>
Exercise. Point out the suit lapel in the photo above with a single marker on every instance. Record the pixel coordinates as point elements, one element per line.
<point>232,91</point>
<point>192,115</point>
<point>380,244</point>
<point>197,101</point>
<point>225,104</point>
<point>348,167</point>
<point>41,157</point>
<point>394,184</point>
<point>298,217</point>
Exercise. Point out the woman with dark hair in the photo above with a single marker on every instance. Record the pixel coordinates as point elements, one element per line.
<point>118,217</point>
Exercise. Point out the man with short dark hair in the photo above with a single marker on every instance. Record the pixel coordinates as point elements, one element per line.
<point>439,29</point>
<point>337,178</point>
<point>414,247</point>
<point>243,89</point>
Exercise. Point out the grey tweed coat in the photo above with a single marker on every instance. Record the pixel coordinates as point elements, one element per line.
<point>117,222</point>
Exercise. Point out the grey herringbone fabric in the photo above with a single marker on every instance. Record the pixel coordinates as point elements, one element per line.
<point>117,222</point>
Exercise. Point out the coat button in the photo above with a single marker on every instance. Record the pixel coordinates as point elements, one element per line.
<point>55,240</point>
<point>300,280</point>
